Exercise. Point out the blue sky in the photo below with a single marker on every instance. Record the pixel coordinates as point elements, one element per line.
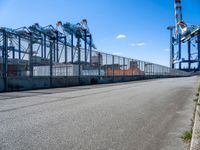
<point>140,25</point>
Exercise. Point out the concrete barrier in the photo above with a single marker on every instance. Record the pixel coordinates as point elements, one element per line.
<point>28,83</point>
<point>1,84</point>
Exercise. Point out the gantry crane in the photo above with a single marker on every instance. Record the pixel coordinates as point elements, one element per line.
<point>184,34</point>
<point>187,32</point>
<point>81,32</point>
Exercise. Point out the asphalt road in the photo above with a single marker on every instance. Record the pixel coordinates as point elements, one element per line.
<point>144,115</point>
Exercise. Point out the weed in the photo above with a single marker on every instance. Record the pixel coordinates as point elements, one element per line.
<point>199,113</point>
<point>187,136</point>
<point>197,94</point>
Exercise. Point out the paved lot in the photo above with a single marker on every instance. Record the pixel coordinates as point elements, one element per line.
<point>144,115</point>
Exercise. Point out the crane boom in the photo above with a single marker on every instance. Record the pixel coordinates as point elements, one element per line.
<point>79,30</point>
<point>186,32</point>
<point>178,14</point>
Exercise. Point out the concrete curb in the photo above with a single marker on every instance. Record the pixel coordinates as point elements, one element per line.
<point>195,142</point>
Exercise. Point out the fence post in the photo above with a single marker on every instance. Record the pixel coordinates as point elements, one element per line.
<point>99,64</point>
<point>45,49</point>
<point>113,61</point>
<point>5,61</point>
<point>90,47</point>
<point>106,66</point>
<point>65,42</point>
<point>139,67</point>
<point>72,48</point>
<point>30,57</point>
<point>123,68</point>
<point>85,45</point>
<point>51,62</point>
<point>57,49</point>
<point>19,72</point>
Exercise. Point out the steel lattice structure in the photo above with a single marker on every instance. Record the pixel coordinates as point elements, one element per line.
<point>184,39</point>
<point>65,50</point>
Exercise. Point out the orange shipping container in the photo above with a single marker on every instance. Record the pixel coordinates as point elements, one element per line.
<point>129,72</point>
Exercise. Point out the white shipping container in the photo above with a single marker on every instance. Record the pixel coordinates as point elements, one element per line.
<point>92,72</point>
<point>57,70</point>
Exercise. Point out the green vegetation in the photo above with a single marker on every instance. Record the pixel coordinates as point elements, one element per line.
<point>199,89</point>
<point>197,94</point>
<point>187,136</point>
<point>195,100</point>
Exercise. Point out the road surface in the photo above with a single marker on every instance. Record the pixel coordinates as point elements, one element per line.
<point>141,115</point>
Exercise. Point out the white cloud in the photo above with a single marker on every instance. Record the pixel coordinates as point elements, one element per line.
<point>167,50</point>
<point>117,53</point>
<point>133,44</point>
<point>141,44</point>
<point>121,36</point>
<point>138,44</point>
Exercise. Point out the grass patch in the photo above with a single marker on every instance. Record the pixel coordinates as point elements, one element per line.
<point>199,113</point>
<point>199,89</point>
<point>195,100</point>
<point>187,136</point>
<point>198,104</point>
<point>197,94</point>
